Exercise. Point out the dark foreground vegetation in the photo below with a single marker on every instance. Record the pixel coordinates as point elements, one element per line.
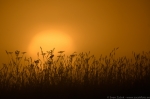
<point>75,76</point>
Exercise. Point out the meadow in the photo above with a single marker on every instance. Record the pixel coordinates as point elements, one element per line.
<point>76,75</point>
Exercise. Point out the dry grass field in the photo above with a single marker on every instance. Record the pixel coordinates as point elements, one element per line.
<point>77,75</point>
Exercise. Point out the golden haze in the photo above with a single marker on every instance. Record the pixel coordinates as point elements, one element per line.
<point>98,26</point>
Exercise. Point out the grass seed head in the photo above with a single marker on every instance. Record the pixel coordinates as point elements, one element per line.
<point>10,52</point>
<point>24,52</point>
<point>6,52</point>
<point>61,51</point>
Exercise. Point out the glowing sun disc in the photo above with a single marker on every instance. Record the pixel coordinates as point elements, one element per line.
<point>49,40</point>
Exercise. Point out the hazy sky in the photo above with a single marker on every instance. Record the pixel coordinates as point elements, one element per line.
<point>98,26</point>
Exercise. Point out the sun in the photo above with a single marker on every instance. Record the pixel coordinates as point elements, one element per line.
<point>49,40</point>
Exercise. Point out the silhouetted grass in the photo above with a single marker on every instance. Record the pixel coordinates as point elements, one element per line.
<point>75,75</point>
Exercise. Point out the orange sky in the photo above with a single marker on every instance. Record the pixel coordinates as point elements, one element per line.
<point>98,26</point>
